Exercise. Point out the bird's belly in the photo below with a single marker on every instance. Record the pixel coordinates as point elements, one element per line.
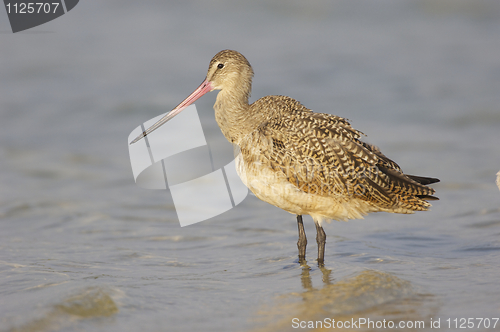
<point>272,187</point>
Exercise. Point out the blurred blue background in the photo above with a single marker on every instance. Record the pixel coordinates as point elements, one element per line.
<point>83,248</point>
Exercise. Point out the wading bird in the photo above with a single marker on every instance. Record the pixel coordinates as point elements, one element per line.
<point>301,161</point>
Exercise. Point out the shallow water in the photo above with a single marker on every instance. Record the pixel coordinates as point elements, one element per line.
<point>83,248</point>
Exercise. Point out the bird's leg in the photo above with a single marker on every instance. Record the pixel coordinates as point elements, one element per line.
<point>321,240</point>
<point>302,243</point>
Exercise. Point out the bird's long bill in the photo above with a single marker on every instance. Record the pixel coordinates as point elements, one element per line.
<point>204,87</point>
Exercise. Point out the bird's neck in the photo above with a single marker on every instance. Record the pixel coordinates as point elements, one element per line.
<point>234,115</point>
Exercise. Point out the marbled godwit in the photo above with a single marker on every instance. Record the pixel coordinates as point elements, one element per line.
<point>301,161</point>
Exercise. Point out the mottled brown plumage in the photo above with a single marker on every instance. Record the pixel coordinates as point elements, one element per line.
<point>301,161</point>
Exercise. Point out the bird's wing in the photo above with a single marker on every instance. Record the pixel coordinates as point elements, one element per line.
<point>323,155</point>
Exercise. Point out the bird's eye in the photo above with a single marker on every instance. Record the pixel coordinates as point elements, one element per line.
<point>220,65</point>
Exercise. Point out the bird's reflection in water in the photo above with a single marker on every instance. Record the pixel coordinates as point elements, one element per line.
<point>306,275</point>
<point>369,294</point>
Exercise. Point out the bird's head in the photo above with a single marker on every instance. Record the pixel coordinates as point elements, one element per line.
<point>229,71</point>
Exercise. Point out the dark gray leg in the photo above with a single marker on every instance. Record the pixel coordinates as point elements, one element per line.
<point>321,240</point>
<point>302,243</point>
